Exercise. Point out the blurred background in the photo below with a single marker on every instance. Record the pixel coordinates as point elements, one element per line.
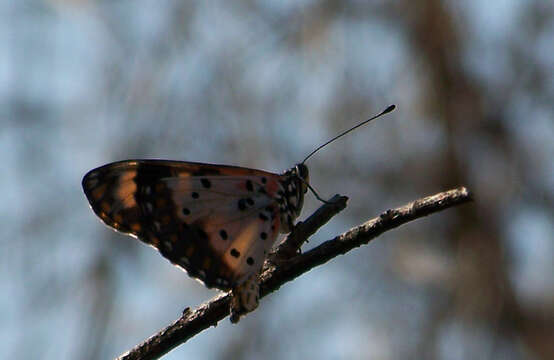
<point>260,84</point>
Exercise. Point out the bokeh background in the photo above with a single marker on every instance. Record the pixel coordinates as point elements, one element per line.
<point>261,84</point>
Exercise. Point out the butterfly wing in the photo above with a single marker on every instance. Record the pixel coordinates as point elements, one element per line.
<point>215,221</point>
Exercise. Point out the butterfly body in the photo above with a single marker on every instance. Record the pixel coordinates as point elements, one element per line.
<point>216,222</point>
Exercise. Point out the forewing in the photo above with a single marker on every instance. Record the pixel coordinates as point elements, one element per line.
<point>215,221</point>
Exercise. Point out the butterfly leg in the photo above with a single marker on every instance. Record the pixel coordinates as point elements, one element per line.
<point>245,297</point>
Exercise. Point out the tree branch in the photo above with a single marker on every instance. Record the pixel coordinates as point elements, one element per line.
<point>284,264</point>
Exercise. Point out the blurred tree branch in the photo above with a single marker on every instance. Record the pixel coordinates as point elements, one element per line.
<point>284,264</point>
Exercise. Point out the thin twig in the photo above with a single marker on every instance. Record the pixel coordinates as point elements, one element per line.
<point>275,274</point>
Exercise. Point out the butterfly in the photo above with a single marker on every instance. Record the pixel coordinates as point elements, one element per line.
<point>216,222</point>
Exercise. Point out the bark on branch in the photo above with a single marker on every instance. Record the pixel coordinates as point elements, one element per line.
<point>285,264</point>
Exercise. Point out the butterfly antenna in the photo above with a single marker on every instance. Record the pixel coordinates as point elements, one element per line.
<point>387,110</point>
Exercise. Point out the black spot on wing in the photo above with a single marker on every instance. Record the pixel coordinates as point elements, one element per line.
<point>206,183</point>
